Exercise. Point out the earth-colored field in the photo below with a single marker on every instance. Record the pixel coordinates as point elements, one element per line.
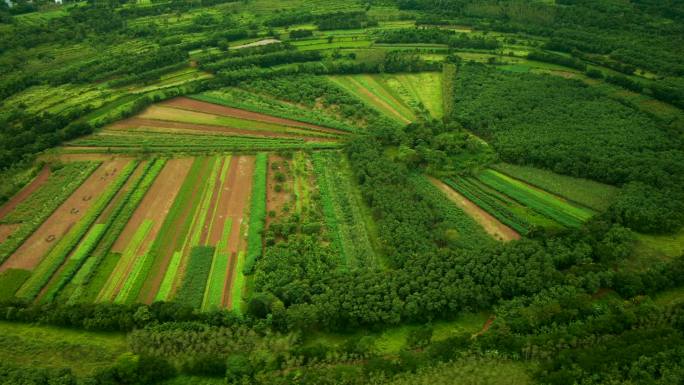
<point>31,252</point>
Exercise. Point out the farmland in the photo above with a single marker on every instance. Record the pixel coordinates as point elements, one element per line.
<point>341,192</point>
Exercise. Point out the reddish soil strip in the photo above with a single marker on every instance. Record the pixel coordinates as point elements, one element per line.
<point>491,225</point>
<point>216,109</point>
<point>156,276</point>
<point>486,325</point>
<point>31,252</point>
<point>276,200</point>
<point>79,157</point>
<point>6,231</point>
<point>24,193</point>
<point>156,203</point>
<point>236,206</point>
<point>166,125</point>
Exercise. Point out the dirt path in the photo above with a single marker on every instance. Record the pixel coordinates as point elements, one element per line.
<point>24,193</point>
<point>216,196</point>
<point>257,43</point>
<point>6,230</point>
<point>486,325</point>
<point>216,109</point>
<point>491,225</point>
<point>31,252</point>
<point>170,126</point>
<point>236,207</point>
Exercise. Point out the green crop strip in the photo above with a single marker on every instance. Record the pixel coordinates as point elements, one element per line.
<point>11,280</point>
<point>238,284</point>
<point>127,257</point>
<point>540,201</point>
<point>185,200</point>
<point>55,258</point>
<point>191,290</point>
<point>221,182</point>
<point>257,213</point>
<point>331,220</point>
<point>41,204</point>
<point>338,200</point>
<point>96,277</point>
<point>213,294</point>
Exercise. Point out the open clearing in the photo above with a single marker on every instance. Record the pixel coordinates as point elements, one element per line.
<point>420,91</point>
<point>30,253</point>
<point>491,225</point>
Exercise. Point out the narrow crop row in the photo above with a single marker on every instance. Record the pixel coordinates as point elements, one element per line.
<point>257,213</point>
<point>538,200</point>
<point>191,291</point>
<point>213,295</point>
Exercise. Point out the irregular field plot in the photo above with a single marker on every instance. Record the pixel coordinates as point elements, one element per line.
<point>420,91</point>
<point>375,94</point>
<point>489,223</point>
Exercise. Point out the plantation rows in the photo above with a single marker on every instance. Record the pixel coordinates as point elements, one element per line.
<point>177,142</point>
<point>517,204</point>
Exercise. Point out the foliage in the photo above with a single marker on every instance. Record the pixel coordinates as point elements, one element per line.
<point>257,214</point>
<point>10,281</point>
<point>191,291</point>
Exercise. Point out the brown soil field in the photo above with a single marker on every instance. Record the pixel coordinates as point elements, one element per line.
<point>156,203</point>
<point>491,225</point>
<point>6,230</point>
<point>31,252</point>
<point>216,109</point>
<point>159,267</point>
<point>24,193</point>
<point>94,157</point>
<point>236,207</point>
<point>276,200</point>
<point>180,127</point>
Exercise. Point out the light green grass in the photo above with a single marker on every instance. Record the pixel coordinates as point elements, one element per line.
<point>392,340</point>
<point>238,284</point>
<point>595,195</point>
<point>213,294</point>
<point>376,95</point>
<point>421,91</point>
<point>34,346</point>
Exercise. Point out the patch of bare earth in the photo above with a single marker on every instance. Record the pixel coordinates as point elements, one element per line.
<point>189,128</point>
<point>31,252</point>
<point>6,230</point>
<point>235,207</point>
<point>216,109</point>
<point>490,224</point>
<point>486,325</point>
<point>276,200</point>
<point>24,193</point>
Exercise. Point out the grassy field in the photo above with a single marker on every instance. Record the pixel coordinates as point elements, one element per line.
<point>595,195</point>
<point>51,347</point>
<point>376,94</point>
<point>420,91</point>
